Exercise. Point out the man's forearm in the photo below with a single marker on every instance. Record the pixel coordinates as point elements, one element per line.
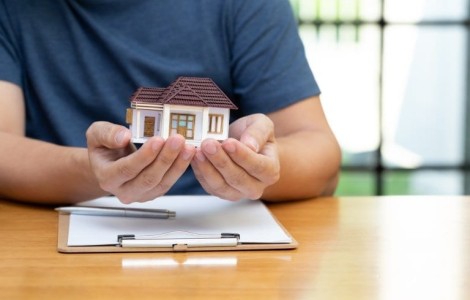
<point>35,171</point>
<point>308,169</point>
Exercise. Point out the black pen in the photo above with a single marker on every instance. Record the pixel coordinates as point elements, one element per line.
<point>118,212</point>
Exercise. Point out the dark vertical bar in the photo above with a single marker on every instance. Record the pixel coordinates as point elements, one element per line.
<point>466,137</point>
<point>379,169</point>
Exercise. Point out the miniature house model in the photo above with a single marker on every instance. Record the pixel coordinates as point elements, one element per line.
<point>191,106</point>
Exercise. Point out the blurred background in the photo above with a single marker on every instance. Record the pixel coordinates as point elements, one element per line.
<point>393,75</point>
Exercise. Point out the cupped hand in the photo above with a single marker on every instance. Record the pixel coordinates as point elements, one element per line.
<point>135,175</point>
<point>242,166</point>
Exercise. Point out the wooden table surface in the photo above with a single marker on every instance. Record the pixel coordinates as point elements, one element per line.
<point>349,248</point>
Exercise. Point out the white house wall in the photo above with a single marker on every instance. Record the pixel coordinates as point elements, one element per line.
<point>162,122</point>
<point>138,118</point>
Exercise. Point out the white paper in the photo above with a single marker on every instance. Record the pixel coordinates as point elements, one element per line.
<point>196,214</point>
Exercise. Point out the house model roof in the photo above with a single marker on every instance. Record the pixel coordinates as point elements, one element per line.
<point>192,91</point>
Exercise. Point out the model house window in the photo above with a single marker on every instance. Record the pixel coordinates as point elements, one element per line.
<point>216,123</point>
<point>182,124</point>
<point>149,126</point>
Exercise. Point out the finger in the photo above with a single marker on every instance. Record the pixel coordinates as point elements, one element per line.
<point>151,176</point>
<point>113,174</point>
<point>264,167</point>
<point>257,130</point>
<point>171,176</point>
<point>108,135</point>
<point>226,173</point>
<point>211,180</point>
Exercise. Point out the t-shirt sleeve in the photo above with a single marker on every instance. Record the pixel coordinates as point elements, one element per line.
<point>10,66</point>
<point>269,67</point>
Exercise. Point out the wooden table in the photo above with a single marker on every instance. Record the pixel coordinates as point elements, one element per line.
<point>350,248</point>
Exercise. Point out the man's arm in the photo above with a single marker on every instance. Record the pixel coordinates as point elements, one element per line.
<point>36,171</point>
<point>289,154</point>
<point>308,152</point>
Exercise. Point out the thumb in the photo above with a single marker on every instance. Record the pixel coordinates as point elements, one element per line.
<point>259,130</point>
<point>109,135</point>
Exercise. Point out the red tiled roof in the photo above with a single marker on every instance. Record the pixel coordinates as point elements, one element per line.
<point>146,94</point>
<point>193,91</point>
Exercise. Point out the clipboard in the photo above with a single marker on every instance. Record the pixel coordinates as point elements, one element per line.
<point>178,240</point>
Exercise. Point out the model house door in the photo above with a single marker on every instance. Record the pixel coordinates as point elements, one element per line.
<point>183,124</point>
<point>149,126</point>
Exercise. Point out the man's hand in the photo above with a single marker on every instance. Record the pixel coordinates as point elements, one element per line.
<point>242,166</point>
<point>135,176</point>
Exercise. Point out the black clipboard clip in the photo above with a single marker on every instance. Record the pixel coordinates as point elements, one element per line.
<point>178,240</point>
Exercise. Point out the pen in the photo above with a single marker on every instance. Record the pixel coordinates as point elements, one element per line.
<point>118,212</point>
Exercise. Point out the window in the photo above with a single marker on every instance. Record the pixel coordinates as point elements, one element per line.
<point>394,86</point>
<point>216,123</point>
<point>182,124</point>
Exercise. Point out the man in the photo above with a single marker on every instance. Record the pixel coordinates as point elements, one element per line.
<point>67,69</point>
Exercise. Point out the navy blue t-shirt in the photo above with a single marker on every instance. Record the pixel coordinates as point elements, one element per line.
<point>78,61</point>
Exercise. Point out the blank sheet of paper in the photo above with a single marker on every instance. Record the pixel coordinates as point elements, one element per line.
<point>196,214</point>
